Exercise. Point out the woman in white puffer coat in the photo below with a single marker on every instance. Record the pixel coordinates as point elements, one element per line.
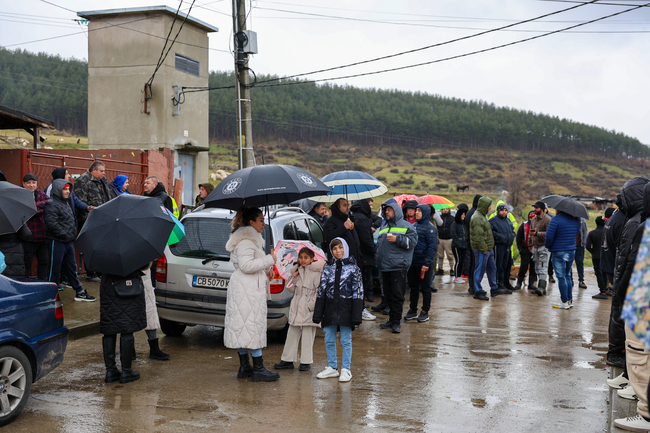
<point>245,322</point>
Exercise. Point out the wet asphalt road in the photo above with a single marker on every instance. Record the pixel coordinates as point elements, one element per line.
<point>513,364</point>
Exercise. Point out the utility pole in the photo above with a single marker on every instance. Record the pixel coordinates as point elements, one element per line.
<point>244,121</point>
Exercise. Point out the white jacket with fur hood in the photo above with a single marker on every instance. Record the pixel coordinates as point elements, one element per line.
<point>245,323</point>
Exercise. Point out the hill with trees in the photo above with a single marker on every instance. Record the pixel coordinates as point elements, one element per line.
<point>323,114</point>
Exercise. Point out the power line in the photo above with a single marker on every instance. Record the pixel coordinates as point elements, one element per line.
<point>434,45</point>
<point>162,52</point>
<point>460,55</point>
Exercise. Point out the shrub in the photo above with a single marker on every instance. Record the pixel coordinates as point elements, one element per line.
<point>442,185</point>
<point>394,170</point>
<point>408,181</point>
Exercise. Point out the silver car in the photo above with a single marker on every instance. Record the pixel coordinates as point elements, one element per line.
<point>192,276</point>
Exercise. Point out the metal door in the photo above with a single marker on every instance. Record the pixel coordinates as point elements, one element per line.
<point>186,163</point>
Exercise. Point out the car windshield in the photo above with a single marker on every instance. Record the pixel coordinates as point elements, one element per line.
<point>204,238</point>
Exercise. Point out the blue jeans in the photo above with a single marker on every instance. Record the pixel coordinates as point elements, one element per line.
<point>562,262</point>
<point>580,266</point>
<point>255,353</point>
<point>484,263</point>
<point>346,344</point>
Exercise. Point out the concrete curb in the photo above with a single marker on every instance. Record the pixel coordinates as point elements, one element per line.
<point>84,330</point>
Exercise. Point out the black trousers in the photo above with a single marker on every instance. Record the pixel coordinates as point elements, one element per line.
<point>460,257</point>
<point>472,270</point>
<point>366,276</point>
<point>526,265</point>
<point>502,258</point>
<point>617,324</point>
<point>42,252</point>
<point>600,276</point>
<point>417,285</point>
<point>394,291</point>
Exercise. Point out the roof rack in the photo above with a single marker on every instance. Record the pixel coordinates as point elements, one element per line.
<point>287,209</point>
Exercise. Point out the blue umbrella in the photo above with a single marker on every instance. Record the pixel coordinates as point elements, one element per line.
<point>351,185</point>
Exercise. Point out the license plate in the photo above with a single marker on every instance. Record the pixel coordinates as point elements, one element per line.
<point>217,283</point>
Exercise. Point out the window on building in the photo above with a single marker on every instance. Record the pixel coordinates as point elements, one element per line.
<point>187,65</point>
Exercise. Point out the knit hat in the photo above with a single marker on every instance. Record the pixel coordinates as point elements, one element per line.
<point>410,204</point>
<point>59,173</point>
<point>600,221</point>
<point>501,207</point>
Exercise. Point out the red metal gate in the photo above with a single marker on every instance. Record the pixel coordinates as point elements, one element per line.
<point>41,165</point>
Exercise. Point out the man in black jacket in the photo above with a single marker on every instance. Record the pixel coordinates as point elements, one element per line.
<point>61,231</point>
<point>363,226</point>
<point>155,188</point>
<point>504,235</point>
<point>632,207</point>
<point>472,265</point>
<point>340,225</point>
<point>593,246</point>
<point>614,222</point>
<point>444,244</point>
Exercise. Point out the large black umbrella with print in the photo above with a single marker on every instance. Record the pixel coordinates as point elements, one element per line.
<point>265,185</point>
<point>125,234</point>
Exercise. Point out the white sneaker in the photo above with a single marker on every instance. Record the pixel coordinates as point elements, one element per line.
<point>633,423</point>
<point>327,373</point>
<point>561,305</point>
<point>627,392</point>
<point>346,376</point>
<point>570,302</point>
<point>618,382</point>
<point>459,280</point>
<point>365,315</point>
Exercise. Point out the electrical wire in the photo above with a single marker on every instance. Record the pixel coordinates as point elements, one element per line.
<point>162,52</point>
<point>433,45</point>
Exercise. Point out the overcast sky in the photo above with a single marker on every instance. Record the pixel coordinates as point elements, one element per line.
<point>596,74</point>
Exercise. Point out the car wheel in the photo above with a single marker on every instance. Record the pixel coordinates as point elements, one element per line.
<point>15,383</point>
<point>172,329</point>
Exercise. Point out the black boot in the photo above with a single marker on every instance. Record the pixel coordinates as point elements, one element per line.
<point>155,352</point>
<point>520,281</point>
<point>541,289</point>
<point>508,285</point>
<point>127,346</point>
<point>261,373</point>
<point>245,367</point>
<point>108,346</point>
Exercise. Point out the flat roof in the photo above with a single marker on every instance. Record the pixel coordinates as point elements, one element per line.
<point>165,9</point>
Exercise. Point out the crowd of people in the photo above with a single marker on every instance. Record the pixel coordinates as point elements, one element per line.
<point>406,243</point>
<point>62,209</point>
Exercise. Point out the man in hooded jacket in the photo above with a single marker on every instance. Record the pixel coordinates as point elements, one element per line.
<point>61,231</point>
<point>637,355</point>
<point>632,207</point>
<point>482,243</point>
<point>341,225</point>
<point>472,265</point>
<point>363,227</point>
<point>422,264</point>
<point>395,245</point>
<point>503,237</point>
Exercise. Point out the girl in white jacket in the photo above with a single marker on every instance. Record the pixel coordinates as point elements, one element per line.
<point>303,283</point>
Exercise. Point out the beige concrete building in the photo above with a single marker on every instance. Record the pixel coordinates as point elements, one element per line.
<point>124,46</point>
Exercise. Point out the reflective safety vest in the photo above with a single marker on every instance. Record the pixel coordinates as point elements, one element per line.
<point>176,212</point>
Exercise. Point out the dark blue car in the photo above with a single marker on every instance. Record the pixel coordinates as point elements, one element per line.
<point>32,339</point>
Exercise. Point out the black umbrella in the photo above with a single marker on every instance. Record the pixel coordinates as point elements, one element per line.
<point>305,204</point>
<point>265,185</point>
<point>17,205</point>
<point>124,234</point>
<point>566,205</point>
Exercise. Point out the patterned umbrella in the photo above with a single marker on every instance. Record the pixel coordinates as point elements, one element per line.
<point>287,254</point>
<point>437,202</point>
<point>350,185</point>
<point>178,232</point>
<point>636,310</point>
<point>400,199</point>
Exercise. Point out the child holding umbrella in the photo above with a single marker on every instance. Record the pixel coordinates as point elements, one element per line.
<point>304,281</point>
